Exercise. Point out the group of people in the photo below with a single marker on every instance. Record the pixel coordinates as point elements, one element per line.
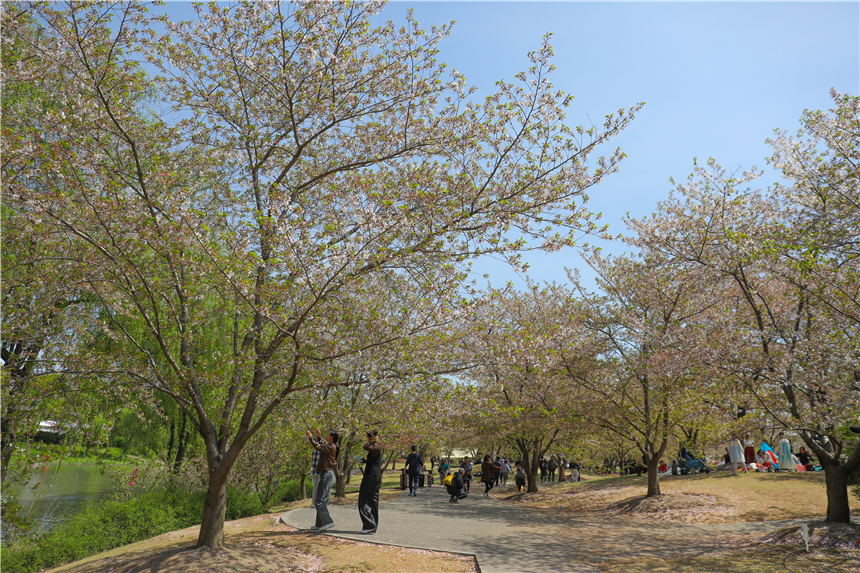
<point>743,455</point>
<point>459,481</point>
<point>458,484</point>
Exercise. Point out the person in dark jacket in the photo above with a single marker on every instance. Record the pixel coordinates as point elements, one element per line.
<point>368,492</point>
<point>413,470</point>
<point>456,487</point>
<point>488,475</point>
<point>466,466</point>
<point>498,471</point>
<point>329,451</point>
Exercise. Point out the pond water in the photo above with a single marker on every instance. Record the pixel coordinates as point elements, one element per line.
<point>62,491</point>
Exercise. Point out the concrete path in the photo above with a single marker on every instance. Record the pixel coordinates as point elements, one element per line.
<point>507,538</point>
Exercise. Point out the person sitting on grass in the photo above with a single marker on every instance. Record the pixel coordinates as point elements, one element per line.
<point>805,460</point>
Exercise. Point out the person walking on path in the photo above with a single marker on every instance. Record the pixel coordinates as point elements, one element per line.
<point>444,466</point>
<point>329,451</point>
<point>551,466</point>
<point>466,466</point>
<point>506,469</point>
<point>413,469</point>
<point>543,468</point>
<point>368,492</point>
<point>456,487</point>
<point>498,470</point>
<point>488,475</point>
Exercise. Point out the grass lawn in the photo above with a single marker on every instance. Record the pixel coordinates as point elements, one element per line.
<point>703,498</point>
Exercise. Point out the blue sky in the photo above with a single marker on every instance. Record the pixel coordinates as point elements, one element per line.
<point>717,79</point>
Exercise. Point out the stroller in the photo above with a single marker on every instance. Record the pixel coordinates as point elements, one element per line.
<point>688,464</point>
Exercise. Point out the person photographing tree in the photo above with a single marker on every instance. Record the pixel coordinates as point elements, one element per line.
<point>368,493</point>
<point>326,467</point>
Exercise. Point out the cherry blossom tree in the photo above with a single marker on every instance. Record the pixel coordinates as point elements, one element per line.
<point>786,259</point>
<point>818,240</point>
<point>642,378</point>
<point>285,163</point>
<point>41,314</point>
<point>523,398</point>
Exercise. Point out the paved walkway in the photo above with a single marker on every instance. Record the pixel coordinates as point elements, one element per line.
<point>507,538</point>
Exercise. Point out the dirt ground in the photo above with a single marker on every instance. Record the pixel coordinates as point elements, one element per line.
<point>262,544</point>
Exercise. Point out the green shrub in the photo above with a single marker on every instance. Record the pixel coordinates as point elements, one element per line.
<point>289,491</point>
<point>242,504</point>
<point>107,524</point>
<point>99,527</point>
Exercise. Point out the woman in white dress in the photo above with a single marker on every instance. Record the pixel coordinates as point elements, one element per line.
<point>786,460</point>
<point>736,456</point>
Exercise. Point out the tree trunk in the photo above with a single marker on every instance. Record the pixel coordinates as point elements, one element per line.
<point>269,489</point>
<point>18,361</point>
<point>835,477</point>
<point>344,468</point>
<point>172,439</point>
<point>390,459</point>
<point>653,478</point>
<point>184,436</point>
<point>531,462</point>
<point>836,481</point>
<point>302,487</point>
<point>9,439</point>
<point>214,511</point>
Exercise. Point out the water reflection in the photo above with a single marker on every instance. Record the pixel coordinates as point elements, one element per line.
<point>60,491</point>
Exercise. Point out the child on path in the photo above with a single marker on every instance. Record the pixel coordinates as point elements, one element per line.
<point>520,477</point>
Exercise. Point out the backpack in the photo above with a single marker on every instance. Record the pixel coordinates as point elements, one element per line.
<point>448,479</point>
